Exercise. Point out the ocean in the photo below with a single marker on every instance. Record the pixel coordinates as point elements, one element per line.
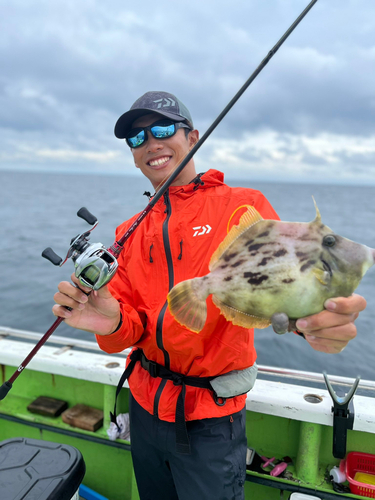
<point>38,210</point>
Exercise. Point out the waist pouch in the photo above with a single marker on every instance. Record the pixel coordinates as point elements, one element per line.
<point>225,386</point>
<point>235,383</point>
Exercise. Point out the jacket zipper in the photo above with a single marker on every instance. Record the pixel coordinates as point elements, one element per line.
<point>159,324</point>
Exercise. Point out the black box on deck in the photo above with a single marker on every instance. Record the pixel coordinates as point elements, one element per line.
<point>32,469</point>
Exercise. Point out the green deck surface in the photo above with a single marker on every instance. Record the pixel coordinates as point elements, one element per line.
<point>109,468</point>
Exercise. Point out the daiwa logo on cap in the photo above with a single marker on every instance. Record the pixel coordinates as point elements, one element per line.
<point>165,104</point>
<point>168,102</point>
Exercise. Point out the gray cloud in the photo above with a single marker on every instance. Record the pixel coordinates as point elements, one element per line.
<point>71,68</point>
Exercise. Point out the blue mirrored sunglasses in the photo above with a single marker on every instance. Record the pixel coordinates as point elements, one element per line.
<point>162,129</point>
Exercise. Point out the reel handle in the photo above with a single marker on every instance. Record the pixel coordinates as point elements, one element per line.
<point>87,216</point>
<point>50,255</point>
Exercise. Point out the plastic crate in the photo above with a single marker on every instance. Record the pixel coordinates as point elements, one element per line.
<point>32,469</point>
<point>360,462</point>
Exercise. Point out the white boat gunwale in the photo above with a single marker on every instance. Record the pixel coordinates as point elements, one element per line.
<point>268,397</point>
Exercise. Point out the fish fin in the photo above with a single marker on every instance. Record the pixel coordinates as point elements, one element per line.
<point>186,308</point>
<point>321,276</point>
<point>248,219</point>
<point>318,218</point>
<point>240,318</point>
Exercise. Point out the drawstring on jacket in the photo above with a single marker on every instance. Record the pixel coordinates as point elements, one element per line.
<point>152,246</point>
<point>180,255</point>
<point>197,181</point>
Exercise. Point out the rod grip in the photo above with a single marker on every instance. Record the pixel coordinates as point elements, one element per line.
<point>4,389</point>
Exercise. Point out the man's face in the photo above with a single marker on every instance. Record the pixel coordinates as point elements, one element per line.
<point>157,158</point>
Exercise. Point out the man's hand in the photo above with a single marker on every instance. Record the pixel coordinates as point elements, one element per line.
<point>331,330</point>
<point>97,312</point>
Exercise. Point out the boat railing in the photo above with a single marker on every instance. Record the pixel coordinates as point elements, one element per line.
<point>313,377</point>
<point>267,371</point>
<point>67,342</point>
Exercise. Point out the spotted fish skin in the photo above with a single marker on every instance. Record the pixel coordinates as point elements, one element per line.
<point>267,266</point>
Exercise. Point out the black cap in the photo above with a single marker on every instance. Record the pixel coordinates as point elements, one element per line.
<point>163,103</point>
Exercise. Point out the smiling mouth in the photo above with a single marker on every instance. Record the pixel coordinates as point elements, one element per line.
<point>327,267</point>
<point>158,162</point>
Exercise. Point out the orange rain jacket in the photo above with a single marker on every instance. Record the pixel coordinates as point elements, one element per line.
<point>174,243</point>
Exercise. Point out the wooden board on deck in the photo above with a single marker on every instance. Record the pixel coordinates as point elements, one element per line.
<point>49,407</point>
<point>83,417</point>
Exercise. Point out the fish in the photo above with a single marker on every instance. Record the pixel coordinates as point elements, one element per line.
<point>265,268</point>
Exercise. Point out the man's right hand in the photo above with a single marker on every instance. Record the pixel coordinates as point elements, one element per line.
<point>97,313</point>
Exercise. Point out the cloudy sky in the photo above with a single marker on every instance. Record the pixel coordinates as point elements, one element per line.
<point>70,68</point>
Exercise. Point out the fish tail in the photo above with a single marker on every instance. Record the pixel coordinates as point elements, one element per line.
<point>186,306</point>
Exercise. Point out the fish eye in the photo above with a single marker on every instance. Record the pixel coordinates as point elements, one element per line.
<point>329,240</point>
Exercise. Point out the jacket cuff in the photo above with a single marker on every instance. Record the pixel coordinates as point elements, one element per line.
<point>118,326</point>
<point>111,343</point>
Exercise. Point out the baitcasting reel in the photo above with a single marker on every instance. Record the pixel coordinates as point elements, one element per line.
<point>94,265</point>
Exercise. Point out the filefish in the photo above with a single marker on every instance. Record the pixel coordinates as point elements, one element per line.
<point>265,268</point>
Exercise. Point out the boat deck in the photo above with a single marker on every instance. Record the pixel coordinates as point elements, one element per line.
<point>288,416</point>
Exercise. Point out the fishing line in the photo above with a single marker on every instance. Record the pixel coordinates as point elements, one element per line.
<point>117,246</point>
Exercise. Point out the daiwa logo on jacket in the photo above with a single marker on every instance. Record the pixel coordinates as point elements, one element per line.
<point>199,230</point>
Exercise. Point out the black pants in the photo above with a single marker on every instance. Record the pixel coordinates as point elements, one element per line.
<point>215,469</point>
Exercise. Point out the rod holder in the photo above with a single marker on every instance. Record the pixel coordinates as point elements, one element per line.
<point>343,416</point>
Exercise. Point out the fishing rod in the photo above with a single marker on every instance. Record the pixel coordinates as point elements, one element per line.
<point>94,264</point>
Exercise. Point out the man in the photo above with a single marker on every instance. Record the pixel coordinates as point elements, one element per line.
<point>188,439</point>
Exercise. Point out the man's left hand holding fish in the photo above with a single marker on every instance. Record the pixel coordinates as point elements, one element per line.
<point>330,330</point>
